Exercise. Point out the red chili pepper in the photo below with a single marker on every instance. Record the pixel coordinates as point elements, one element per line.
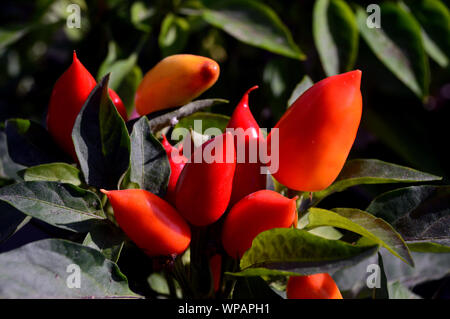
<point>150,222</point>
<point>317,132</point>
<point>317,286</point>
<point>68,96</point>
<point>175,81</point>
<point>177,162</point>
<point>247,178</point>
<point>204,188</point>
<point>255,213</point>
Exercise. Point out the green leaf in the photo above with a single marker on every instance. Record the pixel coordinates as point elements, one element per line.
<point>139,14</point>
<point>54,172</point>
<point>128,87</point>
<point>207,120</point>
<point>434,18</point>
<point>159,283</point>
<point>253,288</point>
<point>428,247</point>
<point>362,223</point>
<point>101,140</point>
<point>398,45</point>
<point>158,122</point>
<point>372,171</point>
<point>118,69</point>
<point>335,35</point>
<point>253,23</point>
<point>300,88</point>
<point>42,269</point>
<point>397,291</point>
<point>62,205</point>
<point>107,239</point>
<point>11,220</point>
<point>8,37</point>
<point>30,144</point>
<point>285,251</point>
<point>149,166</point>
<point>418,213</point>
<point>8,168</point>
<point>174,35</point>
<point>428,266</point>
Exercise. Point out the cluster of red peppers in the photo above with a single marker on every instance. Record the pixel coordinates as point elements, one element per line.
<point>315,137</point>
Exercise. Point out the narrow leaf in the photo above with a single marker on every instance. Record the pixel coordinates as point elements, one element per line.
<point>418,213</point>
<point>101,140</point>
<point>47,269</point>
<point>149,167</point>
<point>300,88</point>
<point>284,250</point>
<point>254,23</point>
<point>372,171</point>
<point>30,144</point>
<point>62,205</point>
<point>398,45</point>
<point>335,35</point>
<point>362,223</point>
<point>54,172</point>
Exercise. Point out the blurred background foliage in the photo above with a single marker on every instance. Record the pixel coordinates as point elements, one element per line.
<point>281,46</point>
<point>274,44</point>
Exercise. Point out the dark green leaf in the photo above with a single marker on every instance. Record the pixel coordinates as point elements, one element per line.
<point>434,18</point>
<point>29,144</point>
<point>107,239</point>
<point>372,171</point>
<point>8,169</point>
<point>62,205</point>
<point>173,35</point>
<point>418,213</point>
<point>11,220</point>
<point>301,87</point>
<point>428,247</point>
<point>159,122</point>
<point>101,140</point>
<point>428,266</point>
<point>54,172</point>
<point>42,269</point>
<point>335,35</point>
<point>149,167</point>
<point>398,44</point>
<point>253,288</point>
<point>254,23</point>
<point>284,251</point>
<point>362,223</point>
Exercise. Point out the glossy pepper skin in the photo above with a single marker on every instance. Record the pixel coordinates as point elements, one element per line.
<point>317,132</point>
<point>203,189</point>
<point>255,213</point>
<point>177,162</point>
<point>68,96</point>
<point>174,81</point>
<point>247,178</point>
<point>317,286</point>
<point>150,222</point>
